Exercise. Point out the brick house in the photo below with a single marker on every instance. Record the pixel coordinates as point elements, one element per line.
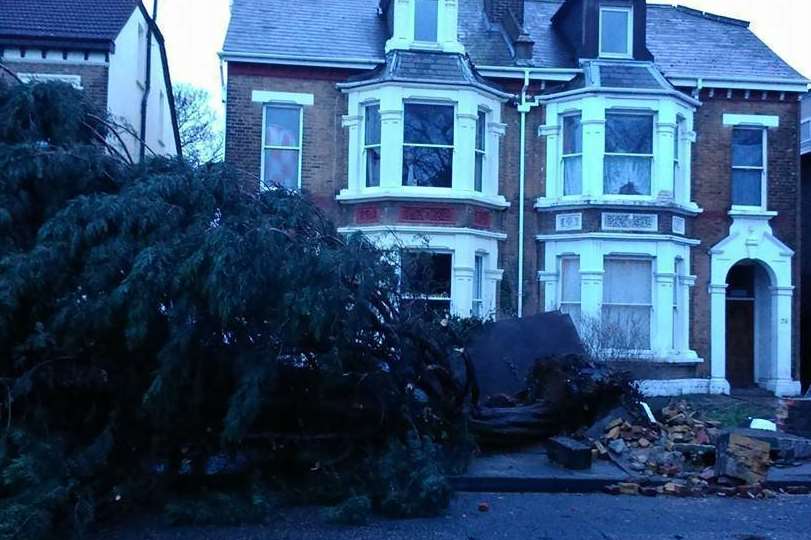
<point>634,166</point>
<point>111,49</point>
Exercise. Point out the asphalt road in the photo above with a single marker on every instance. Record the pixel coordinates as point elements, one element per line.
<point>533,517</point>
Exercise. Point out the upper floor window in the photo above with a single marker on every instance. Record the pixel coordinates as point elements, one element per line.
<point>371,144</point>
<point>628,154</point>
<point>748,166</point>
<point>572,155</point>
<point>616,32</point>
<point>805,131</point>
<point>480,151</point>
<point>281,146</point>
<point>426,20</point>
<point>428,145</point>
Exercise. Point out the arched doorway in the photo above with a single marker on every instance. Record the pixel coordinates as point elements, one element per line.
<point>749,324</point>
<point>751,289</point>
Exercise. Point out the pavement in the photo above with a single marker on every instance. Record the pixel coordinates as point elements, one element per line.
<point>530,517</point>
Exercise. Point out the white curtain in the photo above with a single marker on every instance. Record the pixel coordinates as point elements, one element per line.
<point>627,299</point>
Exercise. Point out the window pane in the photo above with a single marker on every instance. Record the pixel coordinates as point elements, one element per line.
<point>281,168</point>
<point>573,175</point>
<point>427,166</point>
<point>283,126</point>
<point>572,135</point>
<point>627,281</point>
<point>428,124</point>
<point>478,179</point>
<point>614,32</point>
<point>629,134</point>
<point>478,285</point>
<point>805,130</point>
<point>746,187</point>
<point>747,148</point>
<point>372,136</point>
<point>629,326</point>
<point>425,20</point>
<point>426,274</point>
<point>570,279</point>
<point>373,166</point>
<point>481,129</point>
<point>626,175</point>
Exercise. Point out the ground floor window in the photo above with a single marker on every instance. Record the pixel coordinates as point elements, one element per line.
<point>478,287</point>
<point>628,301</point>
<point>426,279</point>
<point>570,289</point>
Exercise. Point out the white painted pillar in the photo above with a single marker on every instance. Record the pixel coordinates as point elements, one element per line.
<point>663,179</point>
<point>593,121</point>
<point>495,131</point>
<point>391,140</point>
<point>352,124</point>
<point>462,288</point>
<point>464,145</point>
<point>718,336</point>
<point>780,377</point>
<point>492,278</point>
<point>686,283</point>
<point>448,27</point>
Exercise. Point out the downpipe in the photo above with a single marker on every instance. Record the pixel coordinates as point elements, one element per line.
<point>524,107</point>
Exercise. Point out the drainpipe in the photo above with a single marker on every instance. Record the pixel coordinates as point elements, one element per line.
<point>523,107</point>
<point>147,80</point>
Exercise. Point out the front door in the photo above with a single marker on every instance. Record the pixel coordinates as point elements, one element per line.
<point>741,343</point>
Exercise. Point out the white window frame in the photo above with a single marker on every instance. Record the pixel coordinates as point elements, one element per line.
<point>431,297</point>
<point>453,105</point>
<point>479,153</point>
<point>651,306</point>
<point>805,125</point>
<point>478,285</point>
<point>651,156</point>
<point>366,147</point>
<point>561,302</point>
<point>764,177</point>
<point>281,105</point>
<point>629,11</point>
<point>564,156</point>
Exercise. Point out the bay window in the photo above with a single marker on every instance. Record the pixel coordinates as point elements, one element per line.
<point>616,32</point>
<point>748,166</point>
<point>480,151</point>
<point>572,157</point>
<point>628,301</point>
<point>628,154</point>
<point>281,146</point>
<point>371,144</point>
<point>428,145</point>
<point>426,279</point>
<point>426,20</point>
<point>570,289</point>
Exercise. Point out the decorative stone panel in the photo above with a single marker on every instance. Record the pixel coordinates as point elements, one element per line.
<point>613,221</point>
<point>569,222</point>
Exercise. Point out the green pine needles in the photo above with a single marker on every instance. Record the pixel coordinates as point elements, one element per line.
<point>164,313</point>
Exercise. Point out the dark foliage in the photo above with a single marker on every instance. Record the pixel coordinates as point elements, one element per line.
<point>161,313</point>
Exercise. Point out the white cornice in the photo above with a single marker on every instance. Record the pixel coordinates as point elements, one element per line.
<point>421,229</point>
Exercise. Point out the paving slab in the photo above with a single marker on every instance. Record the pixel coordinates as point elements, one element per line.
<point>530,470</point>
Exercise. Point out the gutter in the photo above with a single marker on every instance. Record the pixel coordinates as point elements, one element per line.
<point>515,72</point>
<point>298,60</point>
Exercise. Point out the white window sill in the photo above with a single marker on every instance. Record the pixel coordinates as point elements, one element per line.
<point>423,194</point>
<point>751,211</point>
<point>642,202</point>
<point>673,357</point>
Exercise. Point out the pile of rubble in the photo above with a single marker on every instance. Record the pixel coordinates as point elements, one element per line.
<point>684,455</point>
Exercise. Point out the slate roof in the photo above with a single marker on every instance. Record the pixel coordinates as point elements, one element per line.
<point>683,41</point>
<point>425,67</point>
<point>64,20</point>
<point>349,30</point>
<point>617,74</point>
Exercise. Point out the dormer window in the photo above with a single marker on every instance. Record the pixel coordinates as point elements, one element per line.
<point>616,32</point>
<point>426,20</point>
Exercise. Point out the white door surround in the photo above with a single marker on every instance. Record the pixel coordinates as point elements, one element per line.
<point>751,239</point>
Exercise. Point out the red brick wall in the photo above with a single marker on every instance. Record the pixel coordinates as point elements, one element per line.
<point>711,190</point>
<point>94,76</point>
<point>325,147</point>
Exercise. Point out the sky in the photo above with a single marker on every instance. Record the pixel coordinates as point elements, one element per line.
<point>195,31</point>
